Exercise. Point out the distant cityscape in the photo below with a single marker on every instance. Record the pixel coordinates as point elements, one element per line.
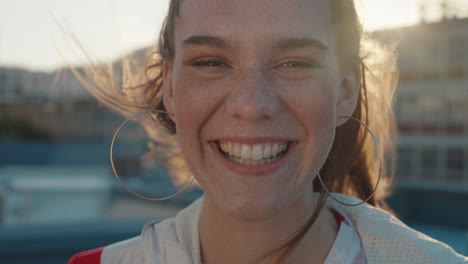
<point>432,102</point>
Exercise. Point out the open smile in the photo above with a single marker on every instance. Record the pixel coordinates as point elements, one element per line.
<point>255,154</point>
<point>253,159</point>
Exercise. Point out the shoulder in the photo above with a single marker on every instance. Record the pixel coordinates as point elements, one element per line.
<point>127,251</point>
<point>174,240</point>
<point>386,239</point>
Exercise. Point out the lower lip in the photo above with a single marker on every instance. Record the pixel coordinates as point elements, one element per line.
<point>253,170</point>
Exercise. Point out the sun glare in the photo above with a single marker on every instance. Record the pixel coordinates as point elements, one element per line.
<point>378,14</point>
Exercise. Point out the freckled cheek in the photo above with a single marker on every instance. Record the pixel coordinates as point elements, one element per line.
<point>195,101</point>
<point>313,104</point>
<point>312,100</point>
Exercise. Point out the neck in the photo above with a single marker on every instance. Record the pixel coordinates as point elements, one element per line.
<point>225,239</point>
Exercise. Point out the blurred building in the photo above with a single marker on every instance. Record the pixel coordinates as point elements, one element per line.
<point>55,103</point>
<point>18,84</point>
<point>432,103</point>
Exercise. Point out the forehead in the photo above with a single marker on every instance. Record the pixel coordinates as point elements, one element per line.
<point>255,19</point>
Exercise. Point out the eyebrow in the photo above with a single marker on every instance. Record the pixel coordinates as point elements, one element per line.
<point>297,43</point>
<point>283,44</point>
<point>211,41</point>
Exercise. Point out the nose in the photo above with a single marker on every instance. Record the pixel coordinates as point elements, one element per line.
<point>253,97</point>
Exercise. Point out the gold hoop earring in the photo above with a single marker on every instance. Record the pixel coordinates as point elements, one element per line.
<point>380,168</point>
<point>117,175</point>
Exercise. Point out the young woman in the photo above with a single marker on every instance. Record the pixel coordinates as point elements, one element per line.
<point>267,101</point>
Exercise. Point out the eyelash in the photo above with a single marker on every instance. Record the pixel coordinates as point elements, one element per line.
<point>209,63</point>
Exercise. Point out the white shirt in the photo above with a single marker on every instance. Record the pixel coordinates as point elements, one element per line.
<point>384,239</point>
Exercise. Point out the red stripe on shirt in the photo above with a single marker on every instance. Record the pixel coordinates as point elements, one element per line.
<point>338,217</point>
<point>92,256</point>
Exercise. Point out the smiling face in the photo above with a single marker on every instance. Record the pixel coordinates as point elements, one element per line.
<point>255,90</point>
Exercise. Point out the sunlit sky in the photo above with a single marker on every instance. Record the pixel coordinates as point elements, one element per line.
<point>30,37</point>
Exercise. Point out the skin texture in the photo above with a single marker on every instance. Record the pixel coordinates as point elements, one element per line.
<point>244,84</point>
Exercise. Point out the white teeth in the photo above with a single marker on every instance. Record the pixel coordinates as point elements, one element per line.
<point>274,149</point>
<point>252,162</point>
<point>283,147</point>
<point>253,154</point>
<point>237,150</point>
<point>246,152</point>
<point>257,152</point>
<point>267,151</point>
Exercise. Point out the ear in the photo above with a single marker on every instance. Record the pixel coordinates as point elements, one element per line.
<point>349,94</point>
<point>168,92</point>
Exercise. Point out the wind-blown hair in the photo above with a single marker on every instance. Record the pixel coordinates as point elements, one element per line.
<point>352,165</point>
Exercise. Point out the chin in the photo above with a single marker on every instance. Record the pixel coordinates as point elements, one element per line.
<point>254,209</point>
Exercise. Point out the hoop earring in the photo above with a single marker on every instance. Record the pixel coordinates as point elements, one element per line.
<point>380,168</point>
<point>117,175</point>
